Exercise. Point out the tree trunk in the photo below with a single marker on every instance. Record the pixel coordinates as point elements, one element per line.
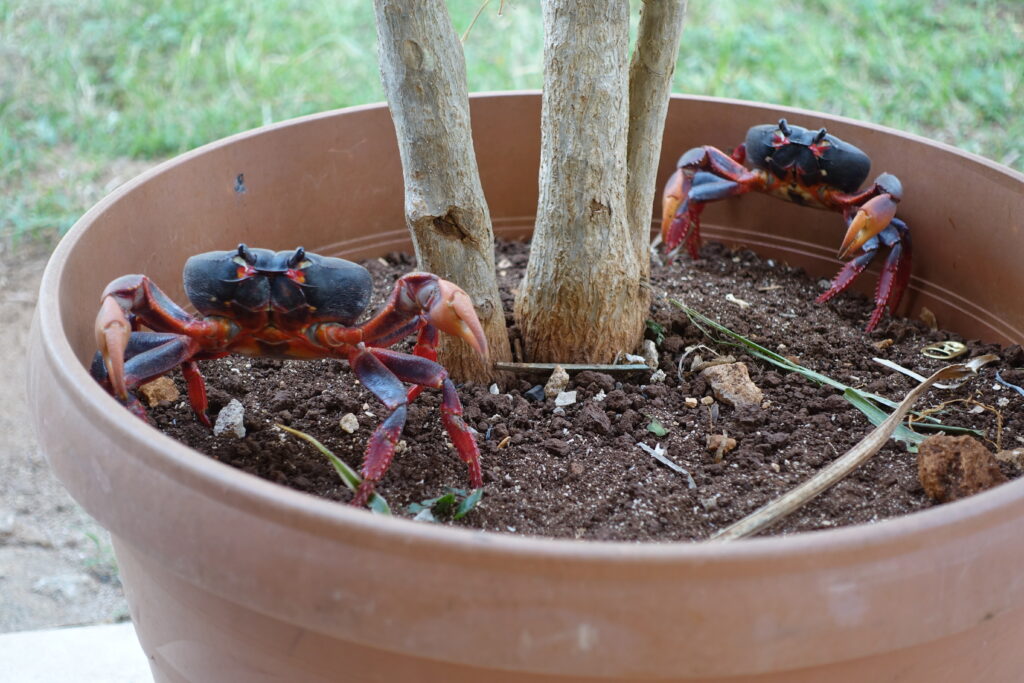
<point>424,74</point>
<point>650,84</point>
<point>581,299</point>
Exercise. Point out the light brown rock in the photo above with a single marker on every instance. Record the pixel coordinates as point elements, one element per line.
<point>160,390</point>
<point>720,444</point>
<point>954,467</point>
<point>557,382</point>
<point>731,385</point>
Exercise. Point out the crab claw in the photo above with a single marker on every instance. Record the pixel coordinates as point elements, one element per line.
<point>112,333</point>
<point>872,218</point>
<point>451,311</point>
<point>670,200</point>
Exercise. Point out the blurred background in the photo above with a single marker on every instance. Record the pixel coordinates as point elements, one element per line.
<point>92,92</point>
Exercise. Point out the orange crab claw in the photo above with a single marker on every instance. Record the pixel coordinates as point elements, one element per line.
<point>112,333</point>
<point>670,200</point>
<point>871,219</point>
<point>453,314</point>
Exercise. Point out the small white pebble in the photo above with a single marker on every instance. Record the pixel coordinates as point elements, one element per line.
<point>231,418</point>
<point>733,299</point>
<point>600,395</point>
<point>1003,402</point>
<point>658,376</point>
<point>349,423</point>
<point>565,398</point>
<point>424,515</point>
<point>494,389</point>
<point>650,353</point>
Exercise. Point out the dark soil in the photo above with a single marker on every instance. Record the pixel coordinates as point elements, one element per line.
<point>577,471</point>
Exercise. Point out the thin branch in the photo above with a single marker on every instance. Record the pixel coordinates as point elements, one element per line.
<point>465,34</point>
<point>423,71</point>
<point>542,368</point>
<point>793,500</point>
<point>650,85</point>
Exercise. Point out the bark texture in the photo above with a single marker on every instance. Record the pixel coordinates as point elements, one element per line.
<point>581,299</point>
<point>424,74</point>
<point>650,84</point>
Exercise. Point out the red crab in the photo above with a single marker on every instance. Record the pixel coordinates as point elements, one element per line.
<point>811,168</point>
<point>291,304</point>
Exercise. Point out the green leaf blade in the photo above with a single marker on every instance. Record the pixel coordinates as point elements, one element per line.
<point>348,476</point>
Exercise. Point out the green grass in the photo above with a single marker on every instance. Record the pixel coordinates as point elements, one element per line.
<point>83,84</point>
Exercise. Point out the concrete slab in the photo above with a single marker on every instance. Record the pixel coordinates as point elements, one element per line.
<point>108,653</point>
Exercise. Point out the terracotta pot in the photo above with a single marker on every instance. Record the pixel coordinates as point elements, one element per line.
<point>231,578</point>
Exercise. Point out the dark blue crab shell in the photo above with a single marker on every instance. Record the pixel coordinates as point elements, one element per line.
<point>842,166</point>
<point>333,289</point>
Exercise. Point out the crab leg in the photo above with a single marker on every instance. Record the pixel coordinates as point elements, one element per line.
<point>382,371</point>
<point>146,356</point>
<point>380,449</point>
<point>423,372</point>
<point>421,299</point>
<point>139,296</point>
<point>426,347</point>
<point>895,273</point>
<point>196,391</point>
<point>133,299</point>
<point>703,174</point>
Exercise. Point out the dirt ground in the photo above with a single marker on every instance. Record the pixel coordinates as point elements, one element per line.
<point>57,566</point>
<point>584,466</point>
<point>56,563</point>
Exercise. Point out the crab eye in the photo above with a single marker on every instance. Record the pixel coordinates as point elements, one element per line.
<point>298,258</point>
<point>244,257</point>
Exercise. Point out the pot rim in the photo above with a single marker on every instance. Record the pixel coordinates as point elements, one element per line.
<point>292,508</point>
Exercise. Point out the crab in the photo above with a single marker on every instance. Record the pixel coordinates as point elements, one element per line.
<point>299,305</point>
<point>810,168</point>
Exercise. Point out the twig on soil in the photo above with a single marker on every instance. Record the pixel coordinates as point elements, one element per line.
<point>658,453</point>
<point>538,368</point>
<point>910,373</point>
<point>791,501</point>
<point>998,443</point>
